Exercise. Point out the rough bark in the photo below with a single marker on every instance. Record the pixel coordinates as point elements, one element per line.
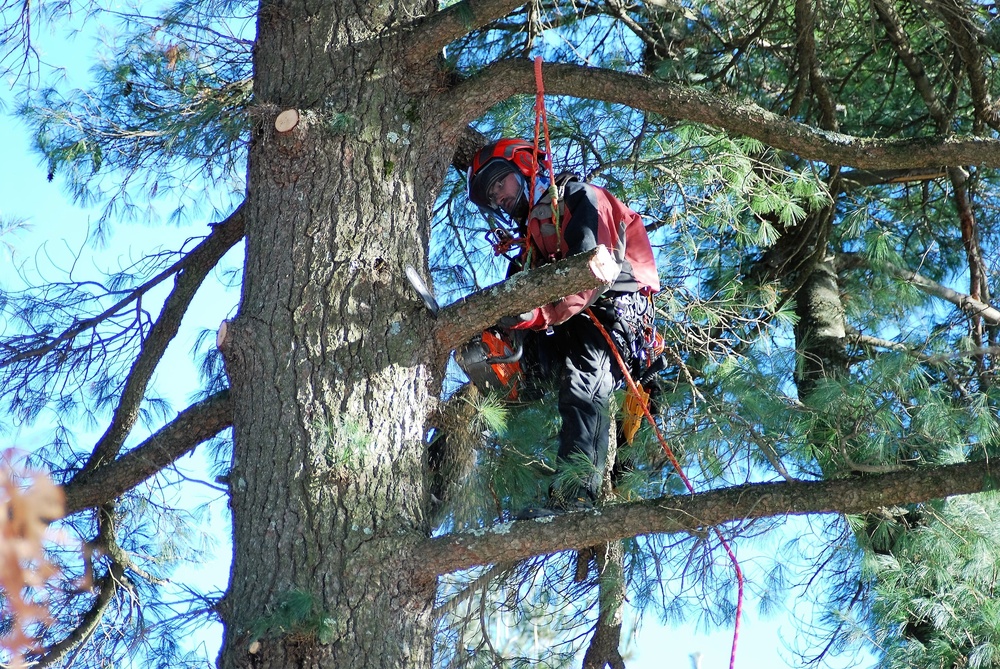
<point>523,292</point>
<point>438,30</point>
<point>604,647</point>
<point>329,356</point>
<point>820,331</point>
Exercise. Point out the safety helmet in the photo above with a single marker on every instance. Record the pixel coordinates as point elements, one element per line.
<point>495,161</point>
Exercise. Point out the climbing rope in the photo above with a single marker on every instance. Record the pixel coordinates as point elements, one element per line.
<point>541,123</point>
<point>641,398</point>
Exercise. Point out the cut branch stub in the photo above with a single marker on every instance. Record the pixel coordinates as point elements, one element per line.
<point>286,120</point>
<point>459,321</point>
<point>222,337</point>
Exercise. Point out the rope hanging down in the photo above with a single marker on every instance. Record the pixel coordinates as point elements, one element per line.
<point>636,391</point>
<point>502,241</point>
<point>541,122</point>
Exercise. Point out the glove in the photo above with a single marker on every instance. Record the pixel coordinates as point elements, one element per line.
<point>511,322</point>
<point>526,321</point>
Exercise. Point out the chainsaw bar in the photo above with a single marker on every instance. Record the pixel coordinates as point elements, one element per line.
<point>425,294</point>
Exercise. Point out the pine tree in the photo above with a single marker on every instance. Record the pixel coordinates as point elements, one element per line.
<point>814,177</point>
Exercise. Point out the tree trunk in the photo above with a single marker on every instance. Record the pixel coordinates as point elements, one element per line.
<point>820,331</point>
<point>329,358</point>
<point>604,649</point>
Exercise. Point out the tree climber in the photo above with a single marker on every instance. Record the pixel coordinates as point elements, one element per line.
<point>502,178</point>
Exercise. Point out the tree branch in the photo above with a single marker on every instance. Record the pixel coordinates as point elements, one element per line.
<point>667,515</point>
<point>522,292</point>
<point>805,27</point>
<point>966,303</point>
<point>506,78</point>
<point>202,259</point>
<point>901,44</point>
<point>604,649</point>
<point>119,306</point>
<point>200,421</point>
<point>436,31</point>
<point>108,588</point>
<point>962,32</point>
<point>470,141</point>
<point>850,179</point>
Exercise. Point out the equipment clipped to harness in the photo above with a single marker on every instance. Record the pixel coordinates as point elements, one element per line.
<point>502,242</point>
<point>634,411</point>
<point>492,362</point>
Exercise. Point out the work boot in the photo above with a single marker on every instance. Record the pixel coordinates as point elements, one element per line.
<point>536,511</point>
<point>558,505</point>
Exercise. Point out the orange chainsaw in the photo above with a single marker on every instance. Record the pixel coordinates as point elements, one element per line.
<point>490,360</point>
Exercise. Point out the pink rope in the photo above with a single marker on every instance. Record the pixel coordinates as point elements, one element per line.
<point>633,388</point>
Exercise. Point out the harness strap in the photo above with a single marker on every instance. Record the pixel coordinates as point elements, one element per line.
<point>553,205</point>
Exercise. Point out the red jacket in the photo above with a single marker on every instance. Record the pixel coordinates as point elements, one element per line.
<point>589,215</point>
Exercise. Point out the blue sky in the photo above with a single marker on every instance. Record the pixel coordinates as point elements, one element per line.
<point>61,229</point>
<point>57,233</point>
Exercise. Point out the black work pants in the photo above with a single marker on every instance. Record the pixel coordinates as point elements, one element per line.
<point>588,374</point>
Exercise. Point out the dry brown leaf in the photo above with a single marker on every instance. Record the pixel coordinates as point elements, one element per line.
<point>29,502</point>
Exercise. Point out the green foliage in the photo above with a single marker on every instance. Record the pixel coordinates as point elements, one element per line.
<point>728,217</point>
<point>344,442</point>
<point>737,227</point>
<point>935,598</point>
<point>518,465</point>
<point>491,412</point>
<point>460,453</point>
<point>167,110</point>
<point>296,612</point>
<point>338,123</point>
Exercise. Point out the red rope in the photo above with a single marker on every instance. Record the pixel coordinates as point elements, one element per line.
<point>541,121</point>
<point>633,388</point>
<point>502,241</point>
